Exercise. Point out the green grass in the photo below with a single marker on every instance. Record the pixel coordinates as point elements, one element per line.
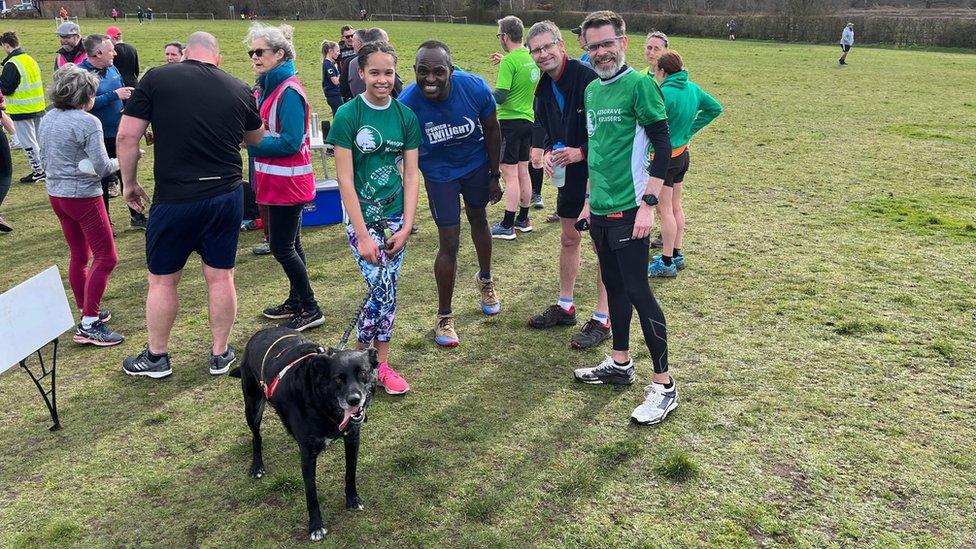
<point>822,339</point>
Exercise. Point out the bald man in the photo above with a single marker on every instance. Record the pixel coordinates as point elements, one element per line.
<point>200,116</point>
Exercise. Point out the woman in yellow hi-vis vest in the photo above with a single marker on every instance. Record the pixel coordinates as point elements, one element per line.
<point>20,82</point>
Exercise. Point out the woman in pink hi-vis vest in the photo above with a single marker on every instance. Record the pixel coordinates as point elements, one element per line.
<point>283,176</point>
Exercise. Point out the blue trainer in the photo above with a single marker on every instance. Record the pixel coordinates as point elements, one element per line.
<point>497,231</point>
<point>678,260</point>
<point>658,269</point>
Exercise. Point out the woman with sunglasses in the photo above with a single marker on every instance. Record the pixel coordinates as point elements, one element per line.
<point>376,140</point>
<point>689,110</point>
<point>283,176</point>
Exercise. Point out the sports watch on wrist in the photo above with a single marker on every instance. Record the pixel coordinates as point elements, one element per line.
<point>495,175</point>
<point>649,199</point>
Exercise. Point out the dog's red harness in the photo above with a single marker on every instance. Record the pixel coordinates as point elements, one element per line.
<point>270,389</point>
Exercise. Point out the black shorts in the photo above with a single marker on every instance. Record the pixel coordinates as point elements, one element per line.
<point>538,137</point>
<point>570,198</point>
<point>677,169</point>
<point>445,207</point>
<point>845,48</point>
<point>516,140</point>
<point>209,227</point>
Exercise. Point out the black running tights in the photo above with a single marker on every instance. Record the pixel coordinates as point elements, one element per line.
<point>623,265</point>
<point>285,238</point>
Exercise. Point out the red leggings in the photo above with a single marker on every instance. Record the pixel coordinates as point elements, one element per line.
<point>88,233</point>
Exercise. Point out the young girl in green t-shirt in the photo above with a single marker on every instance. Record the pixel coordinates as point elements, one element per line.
<point>376,141</point>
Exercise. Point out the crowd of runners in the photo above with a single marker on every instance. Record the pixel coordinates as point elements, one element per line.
<point>613,139</point>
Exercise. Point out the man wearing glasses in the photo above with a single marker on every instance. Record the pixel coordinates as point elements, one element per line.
<point>559,111</point>
<point>625,117</point>
<point>459,154</point>
<point>71,51</point>
<point>514,93</point>
<point>346,51</point>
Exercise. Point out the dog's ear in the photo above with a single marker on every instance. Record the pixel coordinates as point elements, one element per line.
<point>374,361</point>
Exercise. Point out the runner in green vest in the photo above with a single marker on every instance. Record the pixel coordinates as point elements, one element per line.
<point>20,82</point>
<point>514,94</point>
<point>625,117</point>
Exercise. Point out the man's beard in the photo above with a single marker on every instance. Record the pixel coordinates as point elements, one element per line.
<point>614,69</point>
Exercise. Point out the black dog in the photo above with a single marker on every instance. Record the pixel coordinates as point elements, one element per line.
<point>319,394</point>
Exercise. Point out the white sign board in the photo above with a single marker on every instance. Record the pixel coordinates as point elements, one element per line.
<point>32,314</point>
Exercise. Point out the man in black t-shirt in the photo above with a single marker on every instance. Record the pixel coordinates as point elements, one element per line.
<point>346,52</point>
<point>200,115</point>
<point>126,58</point>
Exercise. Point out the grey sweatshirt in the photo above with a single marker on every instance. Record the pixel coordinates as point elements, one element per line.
<point>67,138</point>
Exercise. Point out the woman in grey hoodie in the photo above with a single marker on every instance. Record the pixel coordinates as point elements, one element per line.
<point>76,161</point>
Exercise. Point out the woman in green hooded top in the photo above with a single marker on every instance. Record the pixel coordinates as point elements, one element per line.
<point>689,110</point>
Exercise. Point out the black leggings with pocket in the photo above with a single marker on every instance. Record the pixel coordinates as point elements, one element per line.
<point>623,266</point>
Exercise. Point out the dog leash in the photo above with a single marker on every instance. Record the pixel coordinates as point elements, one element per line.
<point>369,288</point>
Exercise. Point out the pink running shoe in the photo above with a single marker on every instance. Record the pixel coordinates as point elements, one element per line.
<point>391,380</point>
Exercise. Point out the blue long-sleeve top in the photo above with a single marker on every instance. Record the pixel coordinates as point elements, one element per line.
<point>108,106</point>
<point>291,114</point>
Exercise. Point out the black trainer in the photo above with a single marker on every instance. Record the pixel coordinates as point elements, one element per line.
<point>285,310</point>
<point>606,373</point>
<point>104,315</point>
<point>305,319</point>
<point>142,365</point>
<point>219,364</point>
<point>593,333</point>
<point>33,177</point>
<point>98,334</point>
<point>554,315</point>
<point>657,243</point>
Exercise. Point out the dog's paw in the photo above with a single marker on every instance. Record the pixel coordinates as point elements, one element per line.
<point>256,472</point>
<point>354,504</point>
<point>318,534</point>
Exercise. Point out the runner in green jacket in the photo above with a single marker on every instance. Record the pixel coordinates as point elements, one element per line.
<point>689,110</point>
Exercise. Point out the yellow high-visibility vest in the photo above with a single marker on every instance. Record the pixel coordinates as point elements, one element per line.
<point>28,98</point>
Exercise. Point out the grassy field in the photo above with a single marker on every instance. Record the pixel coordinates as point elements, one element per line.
<point>822,339</point>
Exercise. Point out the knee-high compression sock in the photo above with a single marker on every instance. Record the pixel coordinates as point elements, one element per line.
<point>536,175</point>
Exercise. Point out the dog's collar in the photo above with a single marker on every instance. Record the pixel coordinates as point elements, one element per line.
<point>269,389</point>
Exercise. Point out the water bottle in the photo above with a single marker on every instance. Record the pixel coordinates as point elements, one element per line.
<point>315,125</point>
<point>558,172</point>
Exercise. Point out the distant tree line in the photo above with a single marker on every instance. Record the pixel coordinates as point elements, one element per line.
<point>818,21</point>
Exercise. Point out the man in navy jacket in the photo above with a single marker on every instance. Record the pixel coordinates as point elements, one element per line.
<point>560,111</point>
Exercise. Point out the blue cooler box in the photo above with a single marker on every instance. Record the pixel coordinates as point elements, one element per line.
<point>326,208</point>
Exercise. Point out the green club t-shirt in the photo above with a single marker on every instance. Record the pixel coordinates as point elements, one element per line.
<point>377,137</point>
<point>618,148</point>
<point>518,74</point>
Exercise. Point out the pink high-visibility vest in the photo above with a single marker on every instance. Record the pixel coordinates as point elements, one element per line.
<point>61,61</point>
<point>284,180</point>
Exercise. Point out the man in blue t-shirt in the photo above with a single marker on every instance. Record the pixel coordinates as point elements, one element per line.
<point>459,156</point>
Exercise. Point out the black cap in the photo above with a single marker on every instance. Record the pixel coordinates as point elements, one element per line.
<point>578,31</point>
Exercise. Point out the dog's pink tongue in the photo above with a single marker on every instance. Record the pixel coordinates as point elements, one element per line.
<point>347,416</point>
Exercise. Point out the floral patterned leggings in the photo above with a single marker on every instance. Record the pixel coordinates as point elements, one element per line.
<point>376,320</point>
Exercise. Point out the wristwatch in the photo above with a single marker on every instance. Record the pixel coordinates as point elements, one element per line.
<point>492,174</point>
<point>649,199</point>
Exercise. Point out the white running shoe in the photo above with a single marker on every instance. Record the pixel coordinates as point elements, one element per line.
<point>657,404</point>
